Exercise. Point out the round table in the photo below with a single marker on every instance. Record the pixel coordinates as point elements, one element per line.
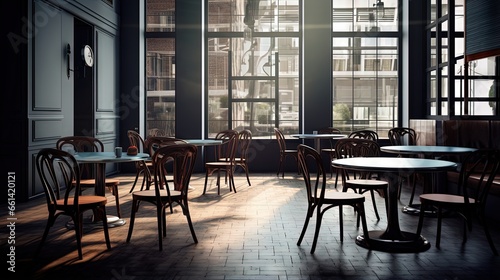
<point>100,159</point>
<point>428,152</point>
<point>393,239</point>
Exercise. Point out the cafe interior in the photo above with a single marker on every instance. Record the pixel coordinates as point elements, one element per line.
<point>184,139</point>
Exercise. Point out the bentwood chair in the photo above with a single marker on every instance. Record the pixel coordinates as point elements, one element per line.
<point>60,177</point>
<point>404,136</point>
<point>244,140</point>
<point>284,151</point>
<point>225,154</point>
<point>183,157</point>
<point>90,144</point>
<point>361,182</point>
<point>364,134</point>
<point>477,172</point>
<point>330,151</point>
<point>319,199</point>
<point>142,167</point>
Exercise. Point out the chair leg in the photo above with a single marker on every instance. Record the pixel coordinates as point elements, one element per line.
<point>159,220</point>
<point>361,211</point>
<point>50,222</point>
<point>319,217</point>
<point>309,214</point>
<point>134,208</point>
<point>372,193</point>
<point>188,217</point>
<point>206,179</point>
<point>279,167</point>
<point>488,235</point>
<point>135,181</point>
<point>78,221</point>
<point>105,227</point>
<point>439,222</point>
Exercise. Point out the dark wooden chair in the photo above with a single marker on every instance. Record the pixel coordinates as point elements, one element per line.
<point>364,134</point>
<point>142,167</point>
<point>90,144</point>
<point>244,140</point>
<point>361,182</point>
<point>183,157</point>
<point>60,177</point>
<point>319,199</point>
<point>405,136</point>
<point>477,173</point>
<point>284,151</point>
<point>225,154</point>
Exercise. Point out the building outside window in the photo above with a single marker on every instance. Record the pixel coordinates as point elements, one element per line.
<point>365,39</point>
<point>253,66</point>
<point>160,67</point>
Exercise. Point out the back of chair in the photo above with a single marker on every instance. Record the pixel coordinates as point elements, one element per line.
<point>80,144</point>
<point>329,130</point>
<point>310,162</point>
<point>135,139</point>
<point>281,139</point>
<point>402,136</point>
<point>59,174</point>
<point>227,150</point>
<point>156,142</point>
<point>183,157</point>
<point>244,140</point>
<point>356,147</point>
<point>478,170</point>
<point>364,134</point>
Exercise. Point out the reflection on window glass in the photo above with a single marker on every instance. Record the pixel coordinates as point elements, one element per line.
<point>253,67</point>
<point>160,86</point>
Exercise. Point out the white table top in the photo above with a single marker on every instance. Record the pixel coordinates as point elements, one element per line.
<point>394,164</point>
<point>434,150</point>
<point>107,157</point>
<point>203,142</point>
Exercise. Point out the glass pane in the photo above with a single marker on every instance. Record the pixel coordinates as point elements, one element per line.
<point>365,83</point>
<point>257,117</point>
<point>160,86</point>
<point>364,16</point>
<point>482,67</point>
<point>444,82</point>
<point>433,85</point>
<point>444,7</point>
<point>253,89</point>
<point>459,15</point>
<point>433,48</point>
<point>444,50</point>
<point>433,11</point>
<point>480,108</point>
<point>433,110</point>
<point>160,15</point>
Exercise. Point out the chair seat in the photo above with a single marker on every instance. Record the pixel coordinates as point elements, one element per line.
<point>84,201</point>
<point>151,193</point>
<point>89,182</point>
<point>343,197</point>
<point>367,183</point>
<point>445,199</point>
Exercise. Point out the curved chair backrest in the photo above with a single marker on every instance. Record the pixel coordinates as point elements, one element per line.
<point>183,157</point>
<point>478,169</point>
<point>356,147</point>
<point>80,144</point>
<point>402,136</point>
<point>244,140</point>
<point>156,142</point>
<point>329,130</point>
<point>309,162</point>
<point>364,134</point>
<point>60,176</point>
<point>227,150</point>
<point>135,139</point>
<point>281,139</point>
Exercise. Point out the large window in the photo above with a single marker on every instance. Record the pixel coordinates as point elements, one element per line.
<point>253,66</point>
<point>456,88</point>
<point>365,65</point>
<point>160,67</point>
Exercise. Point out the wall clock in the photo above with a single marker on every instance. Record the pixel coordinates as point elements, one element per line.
<point>88,55</point>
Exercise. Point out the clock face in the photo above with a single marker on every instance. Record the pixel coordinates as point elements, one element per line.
<point>88,55</point>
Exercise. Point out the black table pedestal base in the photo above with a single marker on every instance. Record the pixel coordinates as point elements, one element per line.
<point>408,243</point>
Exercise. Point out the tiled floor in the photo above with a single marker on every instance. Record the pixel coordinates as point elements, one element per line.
<point>250,234</point>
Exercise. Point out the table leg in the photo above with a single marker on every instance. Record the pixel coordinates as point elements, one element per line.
<point>95,221</point>
<point>393,239</point>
